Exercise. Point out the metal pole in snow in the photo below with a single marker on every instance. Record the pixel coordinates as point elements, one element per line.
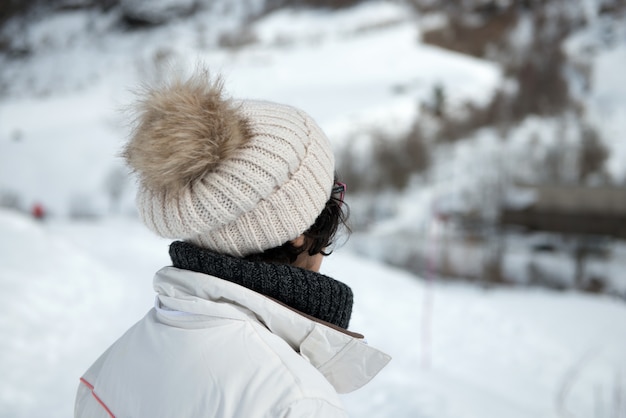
<point>427,303</point>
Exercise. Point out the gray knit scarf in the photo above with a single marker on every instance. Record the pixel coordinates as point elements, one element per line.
<point>306,291</point>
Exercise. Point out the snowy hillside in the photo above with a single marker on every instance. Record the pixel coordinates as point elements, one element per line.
<point>63,111</point>
<point>70,289</point>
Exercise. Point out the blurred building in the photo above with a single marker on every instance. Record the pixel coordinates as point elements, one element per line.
<point>573,210</point>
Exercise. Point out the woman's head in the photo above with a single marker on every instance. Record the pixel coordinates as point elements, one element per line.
<point>306,250</point>
<point>236,177</point>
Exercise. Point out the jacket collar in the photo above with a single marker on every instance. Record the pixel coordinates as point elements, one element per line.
<point>346,361</point>
<point>306,291</point>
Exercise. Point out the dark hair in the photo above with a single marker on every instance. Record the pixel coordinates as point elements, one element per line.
<point>316,239</point>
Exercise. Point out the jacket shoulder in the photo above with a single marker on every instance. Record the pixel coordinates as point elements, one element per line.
<point>223,367</point>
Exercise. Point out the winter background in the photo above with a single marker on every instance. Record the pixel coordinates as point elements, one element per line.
<point>441,114</point>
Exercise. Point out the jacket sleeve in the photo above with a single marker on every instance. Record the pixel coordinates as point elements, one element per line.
<point>312,408</point>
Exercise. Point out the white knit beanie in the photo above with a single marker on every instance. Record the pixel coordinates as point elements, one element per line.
<point>235,177</point>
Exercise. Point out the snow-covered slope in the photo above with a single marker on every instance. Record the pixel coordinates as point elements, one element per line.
<point>62,126</point>
<point>70,289</point>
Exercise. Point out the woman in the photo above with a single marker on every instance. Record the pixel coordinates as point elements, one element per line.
<point>244,325</point>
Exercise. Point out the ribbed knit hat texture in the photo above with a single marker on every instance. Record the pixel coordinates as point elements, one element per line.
<point>235,177</point>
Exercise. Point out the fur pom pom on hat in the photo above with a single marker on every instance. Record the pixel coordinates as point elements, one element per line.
<point>235,177</point>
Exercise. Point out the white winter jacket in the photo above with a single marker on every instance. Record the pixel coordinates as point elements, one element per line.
<point>212,348</point>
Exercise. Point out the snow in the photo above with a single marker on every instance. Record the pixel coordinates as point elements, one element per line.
<point>610,100</point>
<point>603,44</point>
<point>359,73</point>
<point>477,176</point>
<point>344,82</point>
<point>487,353</point>
<point>71,287</point>
<point>294,26</point>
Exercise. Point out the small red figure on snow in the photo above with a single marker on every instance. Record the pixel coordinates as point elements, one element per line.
<point>38,211</point>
